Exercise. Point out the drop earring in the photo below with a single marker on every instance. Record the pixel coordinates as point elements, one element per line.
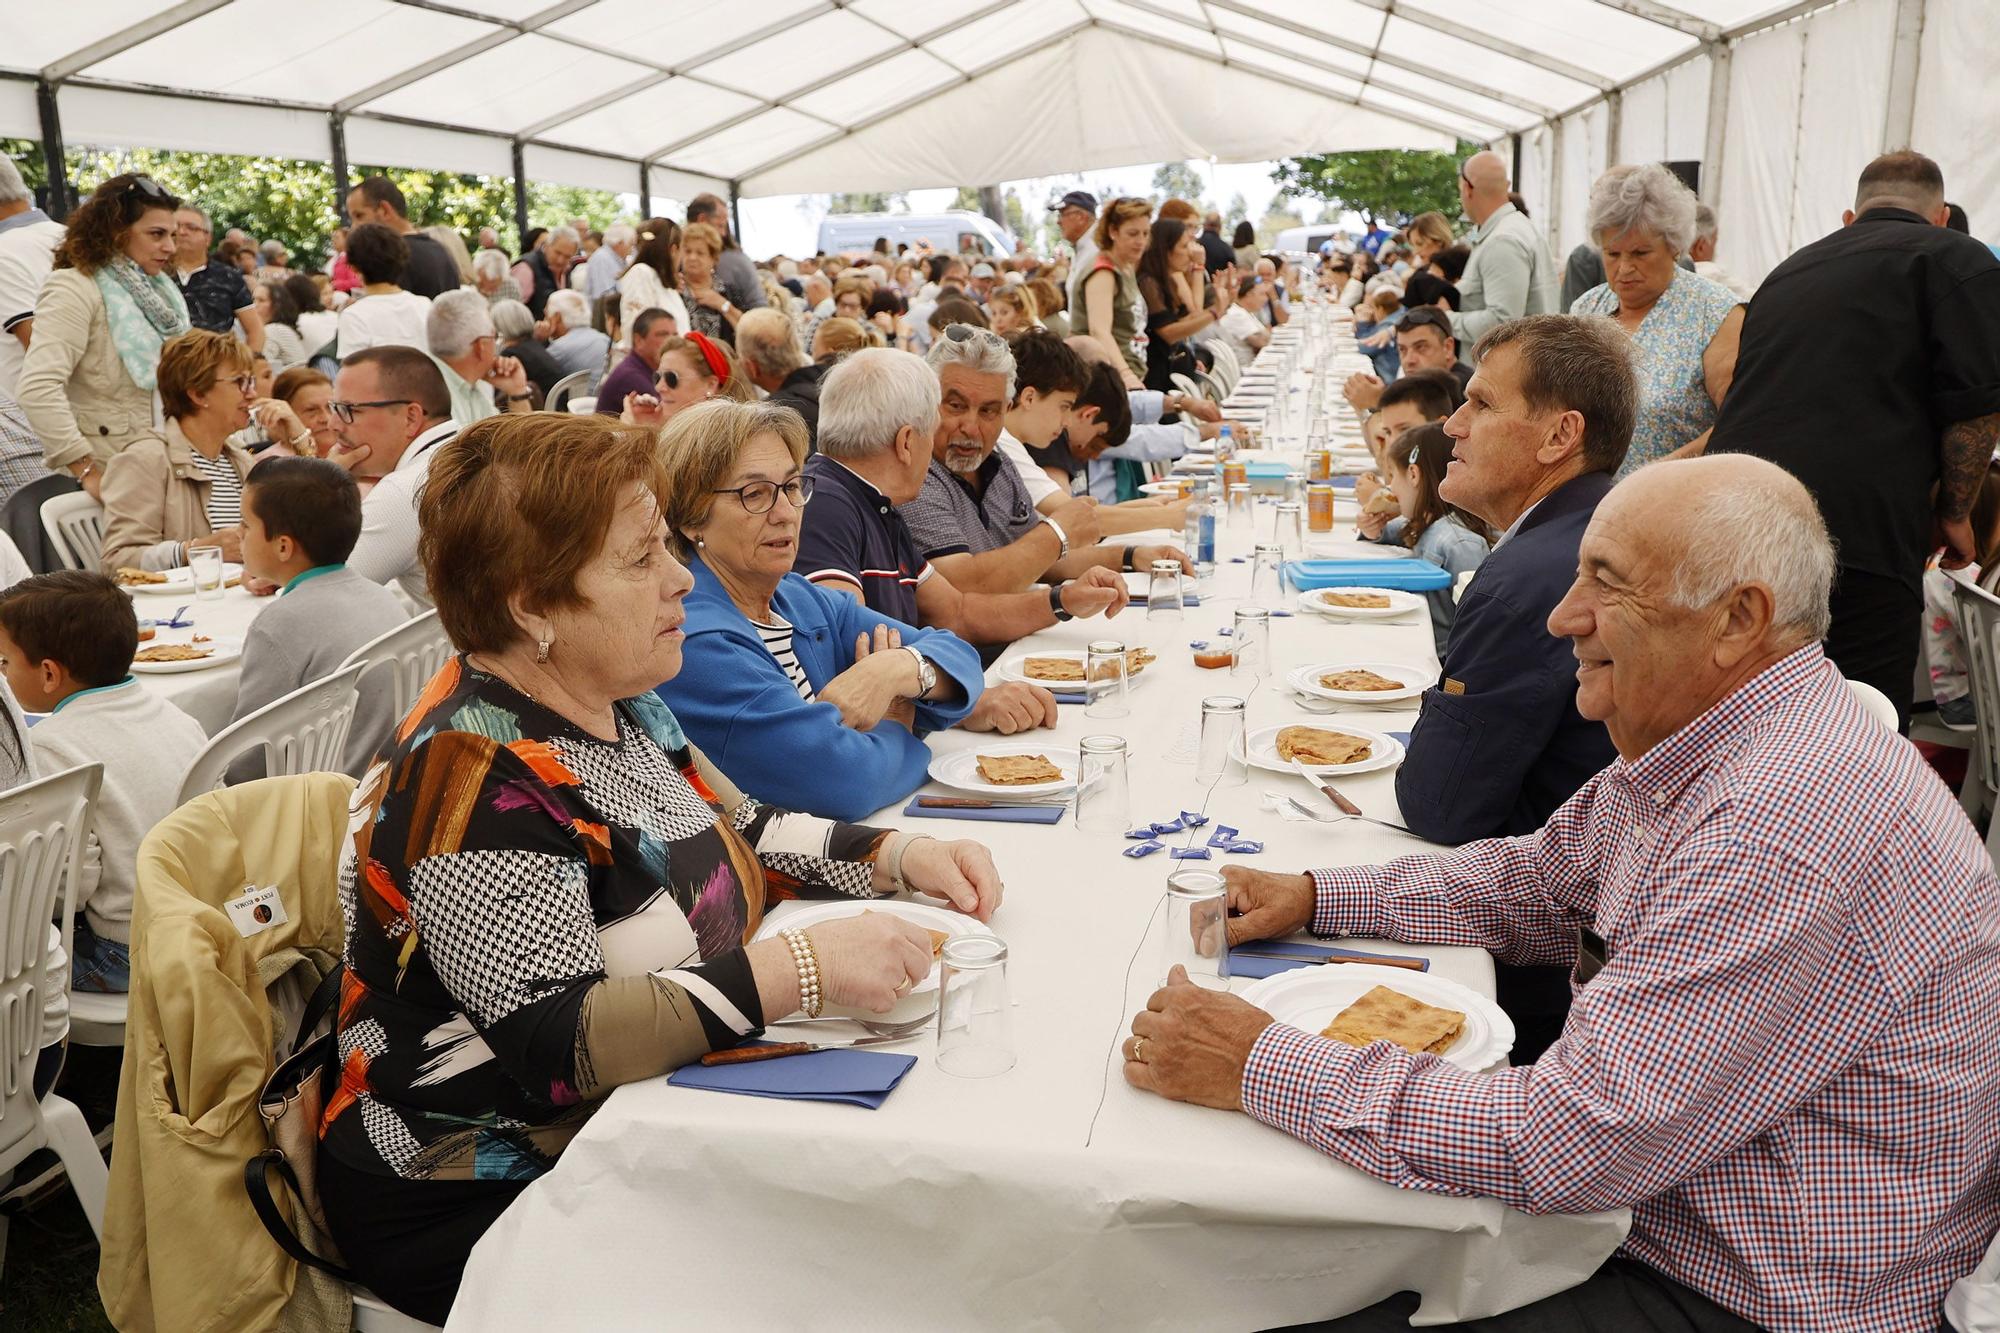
<point>542,646</point>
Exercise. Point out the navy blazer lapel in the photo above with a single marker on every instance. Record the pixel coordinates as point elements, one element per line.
<point>1575,495</point>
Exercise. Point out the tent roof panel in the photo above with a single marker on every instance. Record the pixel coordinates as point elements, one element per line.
<point>1196,37</point>
<point>985,42</point>
<point>679,33</point>
<point>33,36</point>
<point>741,148</point>
<point>507,11</point>
<point>911,17</point>
<point>641,123</point>
<point>1581,32</point>
<point>802,55</point>
<point>1258,58</point>
<point>517,83</point>
<point>1503,73</point>
<point>1230,22</point>
<point>884,83</point>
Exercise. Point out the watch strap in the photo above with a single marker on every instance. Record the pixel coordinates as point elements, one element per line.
<point>1060,611</point>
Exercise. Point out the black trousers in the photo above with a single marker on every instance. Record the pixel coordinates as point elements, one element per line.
<point>1877,633</point>
<point>1624,1296</point>
<point>408,1240</point>
<point>1537,999</point>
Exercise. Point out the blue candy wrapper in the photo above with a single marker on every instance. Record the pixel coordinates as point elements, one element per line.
<point>1245,847</point>
<point>1193,820</point>
<point>1140,834</point>
<point>1222,836</point>
<point>1189,853</point>
<point>1166,826</point>
<point>1143,849</point>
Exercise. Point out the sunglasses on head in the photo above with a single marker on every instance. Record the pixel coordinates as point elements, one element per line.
<point>965,333</point>
<point>147,186</point>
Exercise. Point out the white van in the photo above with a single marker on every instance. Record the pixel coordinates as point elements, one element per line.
<point>1306,241</point>
<point>954,232</point>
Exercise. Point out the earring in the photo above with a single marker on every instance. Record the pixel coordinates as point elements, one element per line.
<point>542,646</point>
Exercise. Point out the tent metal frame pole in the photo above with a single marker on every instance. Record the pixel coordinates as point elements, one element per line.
<point>521,196</point>
<point>1719,56</point>
<point>52,149</point>
<point>1515,175</point>
<point>1614,126</point>
<point>336,133</point>
<point>645,192</point>
<point>736,210</point>
<point>1556,137</point>
<point>1905,58</point>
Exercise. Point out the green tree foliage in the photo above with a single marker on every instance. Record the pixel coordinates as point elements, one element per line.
<point>1383,185</point>
<point>878,201</point>
<point>1180,180</point>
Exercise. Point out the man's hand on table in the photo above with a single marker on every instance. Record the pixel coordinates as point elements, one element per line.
<point>1265,906</point>
<point>1190,1045</point>
<point>1144,556</point>
<point>1011,706</point>
<point>960,871</point>
<point>1096,591</point>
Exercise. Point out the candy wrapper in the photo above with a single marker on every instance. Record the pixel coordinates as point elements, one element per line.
<point>1143,849</point>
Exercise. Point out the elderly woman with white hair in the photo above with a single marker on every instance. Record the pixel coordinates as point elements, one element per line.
<point>1684,326</point>
<point>491,277</point>
<point>516,326</point>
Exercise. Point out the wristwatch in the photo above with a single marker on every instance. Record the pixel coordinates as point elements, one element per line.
<point>1125,564</point>
<point>519,397</point>
<point>927,676</point>
<point>1055,602</point>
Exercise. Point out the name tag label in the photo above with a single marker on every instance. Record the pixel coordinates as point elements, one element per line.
<point>256,910</point>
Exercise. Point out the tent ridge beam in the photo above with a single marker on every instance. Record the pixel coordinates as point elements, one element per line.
<point>126,38</point>
<point>1499,45</point>
<point>1667,17</point>
<point>503,33</point>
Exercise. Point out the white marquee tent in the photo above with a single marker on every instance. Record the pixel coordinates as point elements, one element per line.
<point>760,97</point>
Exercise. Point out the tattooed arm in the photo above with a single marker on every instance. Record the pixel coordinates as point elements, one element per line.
<point>1966,453</point>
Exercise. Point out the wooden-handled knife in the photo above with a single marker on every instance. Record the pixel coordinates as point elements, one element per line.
<point>743,1055</point>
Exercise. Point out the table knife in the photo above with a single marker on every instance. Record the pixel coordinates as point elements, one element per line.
<point>743,1055</point>
<point>979,803</point>
<point>1376,960</point>
<point>1340,803</point>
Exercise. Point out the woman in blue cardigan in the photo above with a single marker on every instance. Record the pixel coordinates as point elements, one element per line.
<point>806,698</point>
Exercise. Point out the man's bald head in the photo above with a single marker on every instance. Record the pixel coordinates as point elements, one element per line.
<point>1483,185</point>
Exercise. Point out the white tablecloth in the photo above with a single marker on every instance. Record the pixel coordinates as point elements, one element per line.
<point>207,695</point>
<point>1052,1196</point>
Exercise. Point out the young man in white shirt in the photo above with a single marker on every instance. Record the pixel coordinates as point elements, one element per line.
<point>391,410</point>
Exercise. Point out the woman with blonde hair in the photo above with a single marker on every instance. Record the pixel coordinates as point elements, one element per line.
<point>1012,310</point>
<point>1109,307</point>
<point>652,280</point>
<point>709,311</point>
<point>1428,233</point>
<point>693,370</point>
<point>838,337</point>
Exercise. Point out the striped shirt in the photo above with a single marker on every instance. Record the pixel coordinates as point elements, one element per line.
<point>225,490</point>
<point>778,643</point>
<point>1784,1066</point>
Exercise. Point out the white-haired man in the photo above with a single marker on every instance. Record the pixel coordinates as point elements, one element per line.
<point>544,271</point>
<point>878,417</point>
<point>28,240</point>
<point>601,273</point>
<point>572,342</point>
<point>1707,235</point>
<point>767,343</point>
<point>1510,273</point>
<point>467,349</point>
<point>1785,945</point>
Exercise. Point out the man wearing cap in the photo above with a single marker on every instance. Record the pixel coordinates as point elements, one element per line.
<point>1076,217</point>
<point>983,276</point>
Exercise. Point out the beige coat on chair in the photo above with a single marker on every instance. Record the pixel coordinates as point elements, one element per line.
<point>73,386</point>
<point>183,1250</point>
<point>154,492</point>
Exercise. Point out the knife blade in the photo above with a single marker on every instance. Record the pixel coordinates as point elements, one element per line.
<point>1379,960</point>
<point>979,803</point>
<point>743,1055</point>
<point>1340,803</point>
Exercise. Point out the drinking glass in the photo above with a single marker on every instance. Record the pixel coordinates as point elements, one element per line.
<point>1241,506</point>
<point>1104,787</point>
<point>205,566</point>
<point>1218,760</point>
<point>1289,528</point>
<point>975,1019</point>
<point>1107,690</point>
<point>1165,598</point>
<point>1251,651</point>
<point>1295,487</point>
<point>1267,574</point>
<point>1197,928</point>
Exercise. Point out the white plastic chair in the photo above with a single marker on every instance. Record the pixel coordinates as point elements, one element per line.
<point>1874,703</point>
<point>42,828</point>
<point>1459,583</point>
<point>560,391</point>
<point>1228,370</point>
<point>582,405</point>
<point>374,1315</point>
<point>407,656</point>
<point>304,732</point>
<point>75,524</point>
<point>1979,630</point>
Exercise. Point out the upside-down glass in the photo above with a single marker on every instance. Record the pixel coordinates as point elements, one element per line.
<point>1289,528</point>
<point>1250,648</point>
<point>1241,507</point>
<point>975,1018</point>
<point>1219,760</point>
<point>1104,786</point>
<point>205,567</point>
<point>1107,690</point>
<point>1197,928</point>
<point>1165,598</point>
<point>1267,572</point>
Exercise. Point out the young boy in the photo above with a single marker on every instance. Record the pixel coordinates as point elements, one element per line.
<point>66,646</point>
<point>301,518</point>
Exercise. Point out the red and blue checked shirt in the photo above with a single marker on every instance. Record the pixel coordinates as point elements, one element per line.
<point>1787,1068</point>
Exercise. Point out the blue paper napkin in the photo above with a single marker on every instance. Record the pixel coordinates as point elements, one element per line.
<point>1243,965</point>
<point>859,1078</point>
<point>1401,736</point>
<point>1022,814</point>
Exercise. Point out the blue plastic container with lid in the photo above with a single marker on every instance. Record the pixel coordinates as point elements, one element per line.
<point>1403,574</point>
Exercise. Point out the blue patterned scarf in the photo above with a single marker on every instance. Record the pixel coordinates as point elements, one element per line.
<point>144,312</point>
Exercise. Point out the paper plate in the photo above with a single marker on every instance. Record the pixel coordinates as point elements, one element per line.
<point>1171,490</point>
<point>1400,604</point>
<point>960,769</point>
<point>1307,998</point>
<point>1262,751</point>
<point>922,914</point>
<point>1415,681</point>
<point>226,652</point>
<point>180,582</point>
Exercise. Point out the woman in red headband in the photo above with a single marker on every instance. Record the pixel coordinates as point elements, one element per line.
<point>693,370</point>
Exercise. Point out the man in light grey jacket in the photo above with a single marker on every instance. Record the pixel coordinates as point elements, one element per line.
<point>1510,274</point>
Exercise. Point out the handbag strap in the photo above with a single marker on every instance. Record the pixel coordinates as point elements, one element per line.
<point>323,999</point>
<point>257,1184</point>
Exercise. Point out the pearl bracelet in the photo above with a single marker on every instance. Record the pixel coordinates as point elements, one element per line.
<point>811,1001</point>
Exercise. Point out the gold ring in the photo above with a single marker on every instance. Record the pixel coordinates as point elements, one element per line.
<point>1139,1050</point>
<point>904,985</point>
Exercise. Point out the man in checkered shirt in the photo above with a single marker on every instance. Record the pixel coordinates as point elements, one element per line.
<point>1786,942</point>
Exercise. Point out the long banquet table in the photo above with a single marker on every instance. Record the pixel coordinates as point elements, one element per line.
<point>1054,1195</point>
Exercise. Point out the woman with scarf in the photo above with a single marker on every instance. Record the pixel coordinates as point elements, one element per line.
<point>105,312</point>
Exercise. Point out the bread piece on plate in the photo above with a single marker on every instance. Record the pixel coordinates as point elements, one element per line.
<point>1320,748</point>
<point>1016,770</point>
<point>1386,1015</point>
<point>172,652</point>
<point>1357,682</point>
<point>1053,668</point>
<point>129,577</point>
<point>1364,601</point>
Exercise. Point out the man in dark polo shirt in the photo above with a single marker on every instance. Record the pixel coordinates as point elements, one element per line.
<point>1869,368</point>
<point>878,413</point>
<point>431,271</point>
<point>217,297</point>
<point>639,371</point>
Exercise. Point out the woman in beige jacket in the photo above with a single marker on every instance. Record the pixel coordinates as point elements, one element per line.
<point>182,488</point>
<point>102,318</point>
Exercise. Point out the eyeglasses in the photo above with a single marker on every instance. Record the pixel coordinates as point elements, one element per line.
<point>670,378</point>
<point>247,383</point>
<point>965,333</point>
<point>147,186</point>
<point>346,411</point>
<point>759,496</point>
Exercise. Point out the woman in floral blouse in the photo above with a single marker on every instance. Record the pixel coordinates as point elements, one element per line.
<point>549,891</point>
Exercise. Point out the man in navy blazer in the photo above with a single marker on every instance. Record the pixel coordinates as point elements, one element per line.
<point>1499,743</point>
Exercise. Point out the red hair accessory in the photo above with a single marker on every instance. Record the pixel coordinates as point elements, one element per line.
<point>718,365</point>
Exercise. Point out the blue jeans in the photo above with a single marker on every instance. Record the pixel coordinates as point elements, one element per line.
<point>98,964</point>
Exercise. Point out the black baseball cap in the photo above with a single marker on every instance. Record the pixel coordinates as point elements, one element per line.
<point>1082,199</point>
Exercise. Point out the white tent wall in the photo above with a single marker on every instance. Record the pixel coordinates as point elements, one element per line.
<point>1585,154</point>
<point>1958,105</point>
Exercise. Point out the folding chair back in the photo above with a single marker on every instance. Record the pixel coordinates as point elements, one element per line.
<point>75,525</point>
<point>304,732</point>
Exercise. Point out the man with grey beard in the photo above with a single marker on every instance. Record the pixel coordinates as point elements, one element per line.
<point>973,519</point>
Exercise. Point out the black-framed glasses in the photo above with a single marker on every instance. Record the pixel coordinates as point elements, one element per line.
<point>345,411</point>
<point>759,496</point>
<point>965,333</point>
<point>247,383</point>
<point>670,378</point>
